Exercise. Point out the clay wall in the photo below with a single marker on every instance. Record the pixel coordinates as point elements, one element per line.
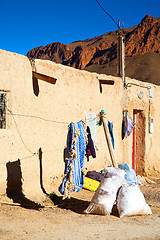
<point>38,115</point>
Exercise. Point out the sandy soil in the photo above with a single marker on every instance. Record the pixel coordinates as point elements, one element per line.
<point>67,221</point>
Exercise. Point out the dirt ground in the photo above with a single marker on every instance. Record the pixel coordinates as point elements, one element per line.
<point>66,220</point>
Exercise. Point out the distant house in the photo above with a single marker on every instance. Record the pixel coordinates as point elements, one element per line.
<point>39,100</point>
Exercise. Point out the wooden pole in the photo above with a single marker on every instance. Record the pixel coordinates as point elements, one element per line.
<point>121,58</point>
<point>108,140</point>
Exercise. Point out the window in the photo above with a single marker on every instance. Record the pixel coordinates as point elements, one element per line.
<point>2,110</point>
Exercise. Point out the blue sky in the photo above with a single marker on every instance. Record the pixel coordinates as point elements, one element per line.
<point>32,23</point>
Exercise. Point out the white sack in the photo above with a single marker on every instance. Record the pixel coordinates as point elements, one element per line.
<point>105,196</point>
<point>131,201</point>
<point>116,171</point>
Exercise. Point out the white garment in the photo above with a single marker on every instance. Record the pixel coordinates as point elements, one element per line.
<point>91,122</point>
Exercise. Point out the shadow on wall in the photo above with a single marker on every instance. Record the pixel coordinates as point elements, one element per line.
<point>41,171</point>
<point>65,154</point>
<point>14,186</point>
<point>35,86</point>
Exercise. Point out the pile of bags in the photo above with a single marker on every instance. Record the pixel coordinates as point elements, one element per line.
<point>114,188</point>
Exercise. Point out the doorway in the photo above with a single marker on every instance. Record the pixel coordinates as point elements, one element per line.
<point>138,143</point>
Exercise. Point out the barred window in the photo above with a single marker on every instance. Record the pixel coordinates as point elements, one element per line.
<point>2,110</point>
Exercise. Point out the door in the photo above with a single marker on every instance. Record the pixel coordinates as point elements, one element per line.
<point>138,146</point>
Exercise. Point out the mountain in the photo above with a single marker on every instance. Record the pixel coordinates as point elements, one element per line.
<point>99,54</point>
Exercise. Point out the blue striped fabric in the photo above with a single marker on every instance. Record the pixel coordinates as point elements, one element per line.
<point>78,163</point>
<point>129,124</point>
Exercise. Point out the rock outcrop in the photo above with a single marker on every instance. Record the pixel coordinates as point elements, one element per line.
<point>100,53</point>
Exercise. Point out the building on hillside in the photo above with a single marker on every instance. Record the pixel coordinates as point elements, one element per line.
<point>39,100</point>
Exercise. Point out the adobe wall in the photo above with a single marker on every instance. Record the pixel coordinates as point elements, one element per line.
<point>40,121</point>
<point>145,105</point>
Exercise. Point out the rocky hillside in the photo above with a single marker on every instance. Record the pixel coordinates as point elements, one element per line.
<point>99,54</point>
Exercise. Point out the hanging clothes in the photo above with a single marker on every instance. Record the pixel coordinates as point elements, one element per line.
<point>91,123</point>
<point>129,124</point>
<point>76,146</point>
<point>110,128</point>
<point>90,150</point>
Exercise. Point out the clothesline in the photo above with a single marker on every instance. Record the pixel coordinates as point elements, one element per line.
<point>79,145</point>
<point>44,119</point>
<point>23,115</point>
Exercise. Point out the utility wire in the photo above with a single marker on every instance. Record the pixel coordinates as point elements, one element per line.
<point>108,14</point>
<point>134,84</point>
<point>38,117</point>
<point>21,136</point>
<point>31,116</point>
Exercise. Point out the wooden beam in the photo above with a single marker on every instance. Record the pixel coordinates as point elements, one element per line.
<point>108,140</point>
<point>44,77</point>
<point>109,82</point>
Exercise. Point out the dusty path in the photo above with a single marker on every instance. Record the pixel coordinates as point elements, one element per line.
<point>67,222</point>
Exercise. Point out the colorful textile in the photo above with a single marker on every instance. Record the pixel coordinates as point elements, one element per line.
<point>90,150</point>
<point>110,128</point>
<point>129,124</point>
<point>76,146</point>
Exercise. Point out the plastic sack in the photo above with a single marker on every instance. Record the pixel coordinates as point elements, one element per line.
<point>130,175</point>
<point>131,201</point>
<point>105,196</point>
<point>120,172</point>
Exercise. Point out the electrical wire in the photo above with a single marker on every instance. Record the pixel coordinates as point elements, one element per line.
<point>44,119</point>
<point>21,158</point>
<point>135,84</point>
<point>53,121</point>
<point>108,14</point>
<point>18,131</point>
<point>32,116</point>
